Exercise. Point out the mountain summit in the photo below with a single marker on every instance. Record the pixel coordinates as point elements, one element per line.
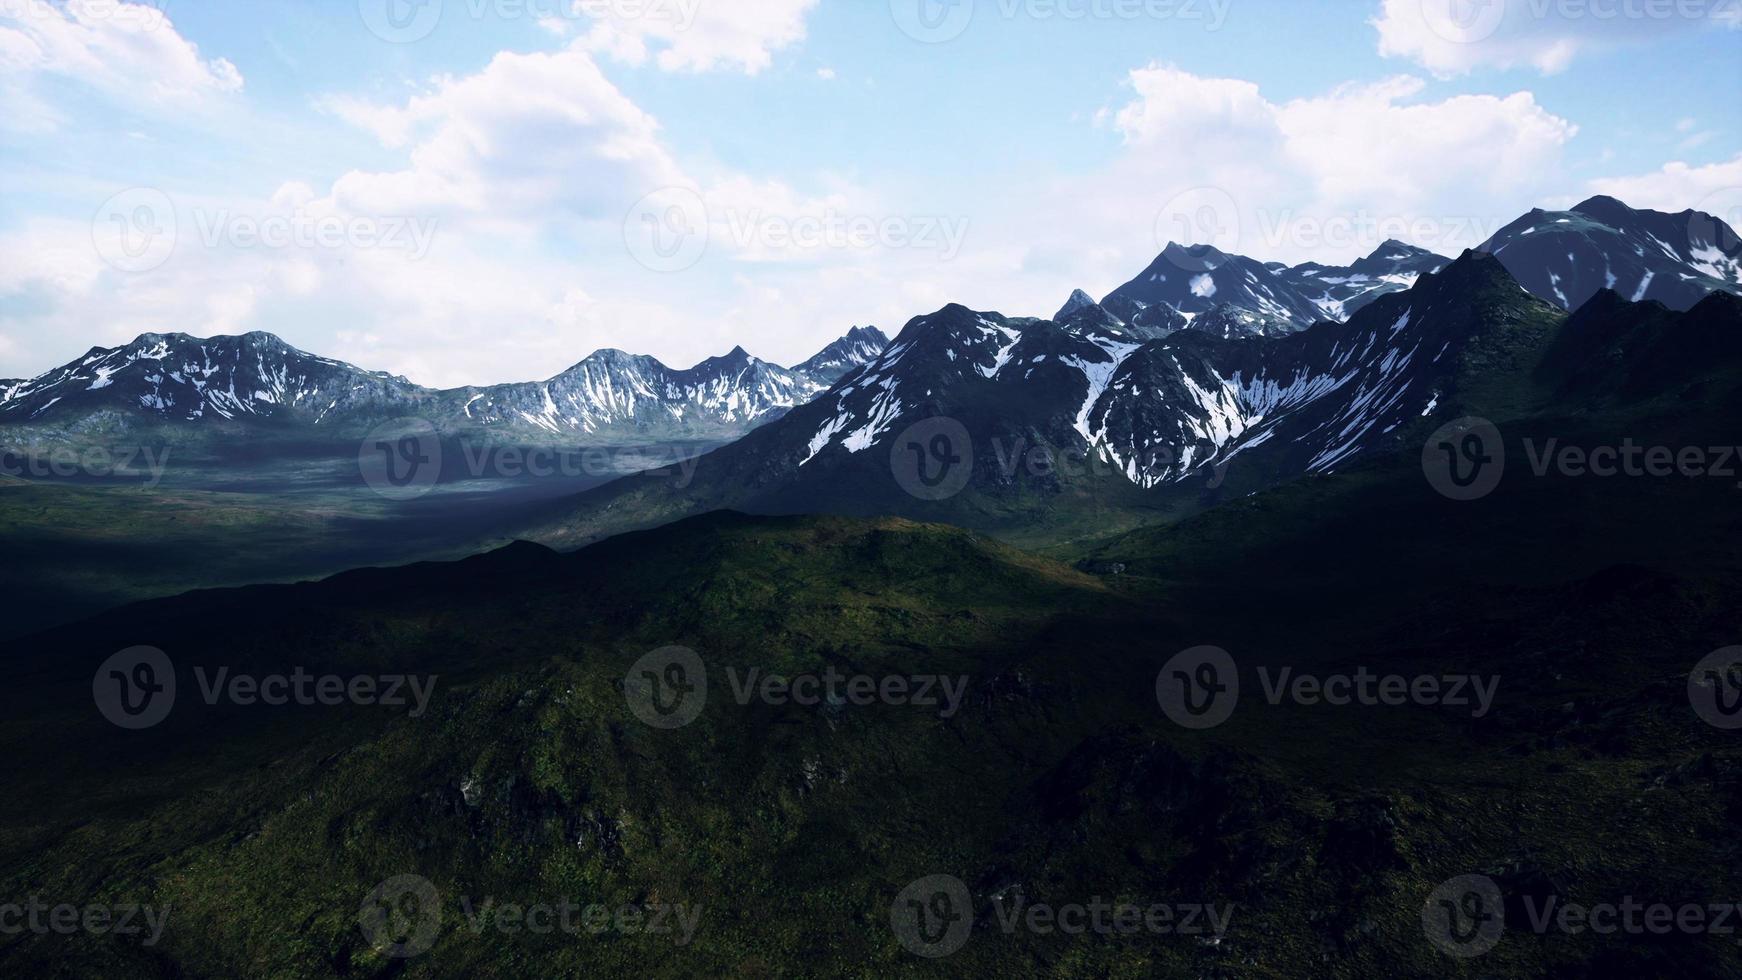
<point>858,347</point>
<point>1568,256</point>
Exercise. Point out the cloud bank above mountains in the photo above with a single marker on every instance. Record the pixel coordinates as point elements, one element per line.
<point>517,214</point>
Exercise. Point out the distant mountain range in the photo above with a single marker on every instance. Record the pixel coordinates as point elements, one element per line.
<point>1564,257</point>
<point>1122,415</point>
<point>178,381</point>
<point>1158,411</point>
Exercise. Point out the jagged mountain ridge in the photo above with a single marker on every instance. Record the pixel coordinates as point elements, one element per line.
<point>1311,400</point>
<point>842,357</point>
<point>1341,291</point>
<point>1564,257</point>
<point>1163,410</point>
<point>189,379</point>
<point>1238,296</point>
<point>1128,425</point>
<point>614,390</point>
<point>258,378</point>
<point>1201,288</point>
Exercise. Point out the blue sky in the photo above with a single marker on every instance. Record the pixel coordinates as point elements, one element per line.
<point>495,188</point>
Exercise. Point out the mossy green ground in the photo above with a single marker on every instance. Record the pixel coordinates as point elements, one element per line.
<point>793,828</point>
<point>1591,780</point>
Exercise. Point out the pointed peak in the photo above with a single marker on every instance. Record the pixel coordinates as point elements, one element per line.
<point>1079,301</point>
<point>1602,301</point>
<point>867,333</point>
<point>735,359</point>
<point>1471,269</point>
<point>1719,301</point>
<point>1392,245</point>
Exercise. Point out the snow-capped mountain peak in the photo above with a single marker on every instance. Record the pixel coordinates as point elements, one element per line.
<point>610,395</point>
<point>1341,291</point>
<point>858,347</point>
<point>1247,297</point>
<point>1162,411</point>
<point>1079,301</point>
<point>1566,257</point>
<point>177,377</point>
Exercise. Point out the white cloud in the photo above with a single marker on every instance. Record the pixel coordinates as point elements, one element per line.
<point>1451,37</point>
<point>826,74</point>
<point>531,137</point>
<point>1715,189</point>
<point>130,52</point>
<point>696,35</point>
<point>227,311</point>
<point>1324,177</point>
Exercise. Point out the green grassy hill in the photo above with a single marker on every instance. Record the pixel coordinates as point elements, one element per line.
<point>794,827</point>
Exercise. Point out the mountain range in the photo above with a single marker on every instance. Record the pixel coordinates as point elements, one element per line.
<point>1327,828</point>
<point>1082,420</point>
<point>177,380</point>
<point>1324,827</point>
<point>1092,378</point>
